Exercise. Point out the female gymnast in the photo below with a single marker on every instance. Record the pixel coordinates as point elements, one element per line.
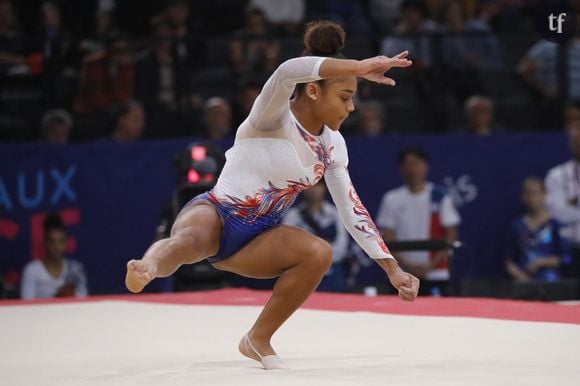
<point>283,147</point>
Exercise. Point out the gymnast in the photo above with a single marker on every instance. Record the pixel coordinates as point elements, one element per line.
<point>289,141</point>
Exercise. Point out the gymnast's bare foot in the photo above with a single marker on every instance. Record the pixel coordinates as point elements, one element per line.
<point>139,274</point>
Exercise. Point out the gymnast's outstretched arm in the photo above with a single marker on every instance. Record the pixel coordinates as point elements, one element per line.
<point>273,99</point>
<point>360,225</point>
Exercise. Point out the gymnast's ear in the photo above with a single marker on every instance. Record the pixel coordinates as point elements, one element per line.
<point>313,91</point>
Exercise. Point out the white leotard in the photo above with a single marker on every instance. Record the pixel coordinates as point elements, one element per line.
<point>274,158</point>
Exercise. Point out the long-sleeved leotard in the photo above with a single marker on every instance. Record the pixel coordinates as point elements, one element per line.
<point>274,158</point>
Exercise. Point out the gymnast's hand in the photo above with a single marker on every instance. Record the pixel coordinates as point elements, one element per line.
<point>374,69</point>
<point>405,283</point>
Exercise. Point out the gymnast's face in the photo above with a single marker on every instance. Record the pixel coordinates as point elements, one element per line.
<point>332,100</point>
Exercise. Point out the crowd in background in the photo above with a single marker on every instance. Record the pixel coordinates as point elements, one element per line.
<point>112,70</point>
<point>109,68</point>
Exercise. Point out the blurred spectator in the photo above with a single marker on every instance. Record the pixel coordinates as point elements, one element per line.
<point>470,41</point>
<point>419,210</point>
<point>371,119</point>
<point>469,48</point>
<point>161,76</point>
<point>348,13</point>
<point>426,89</point>
<point>512,16</point>
<point>247,93</point>
<point>58,50</point>
<point>563,197</point>
<point>11,44</point>
<point>56,126</point>
<point>505,16</point>
<point>410,35</point>
<point>485,11</point>
<point>52,38</point>
<point>106,77</point>
<point>103,28</point>
<point>435,9</point>
<point>188,48</point>
<point>553,73</point>
<point>130,123</point>
<point>571,113</point>
<point>253,50</point>
<point>384,15</point>
<point>176,14</point>
<point>287,16</point>
<point>217,119</point>
<point>534,248</point>
<point>480,114</point>
<point>54,275</point>
<point>319,217</point>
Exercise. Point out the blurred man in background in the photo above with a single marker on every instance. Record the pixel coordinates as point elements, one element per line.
<point>563,191</point>
<point>553,73</point>
<point>419,210</point>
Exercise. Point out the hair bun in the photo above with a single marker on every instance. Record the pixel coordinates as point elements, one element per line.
<point>323,38</point>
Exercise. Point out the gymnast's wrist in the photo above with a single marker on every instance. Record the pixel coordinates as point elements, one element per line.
<point>389,265</point>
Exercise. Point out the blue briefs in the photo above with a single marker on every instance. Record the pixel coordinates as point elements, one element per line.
<point>238,229</point>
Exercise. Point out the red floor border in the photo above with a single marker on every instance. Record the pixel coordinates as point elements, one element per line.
<point>427,306</point>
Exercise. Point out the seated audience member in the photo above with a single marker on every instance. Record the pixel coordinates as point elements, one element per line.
<point>246,94</point>
<point>161,76</point>
<point>571,113</point>
<point>468,51</point>
<point>371,119</point>
<point>384,15</point>
<point>287,16</point>
<point>540,69</point>
<point>54,53</point>
<point>534,248</point>
<point>480,113</point>
<point>419,210</point>
<point>56,126</point>
<point>189,47</point>
<point>130,123</point>
<point>11,42</point>
<point>103,27</point>
<point>319,217</point>
<point>563,197</point>
<point>411,34</point>
<point>54,275</point>
<point>217,119</point>
<point>253,50</point>
<point>106,77</point>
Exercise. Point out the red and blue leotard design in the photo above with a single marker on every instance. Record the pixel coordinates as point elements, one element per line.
<point>274,158</point>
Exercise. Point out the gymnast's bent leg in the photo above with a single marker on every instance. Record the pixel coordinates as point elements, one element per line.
<point>299,258</point>
<point>194,236</point>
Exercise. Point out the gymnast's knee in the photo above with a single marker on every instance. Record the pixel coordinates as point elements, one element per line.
<point>191,241</point>
<point>320,256</point>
